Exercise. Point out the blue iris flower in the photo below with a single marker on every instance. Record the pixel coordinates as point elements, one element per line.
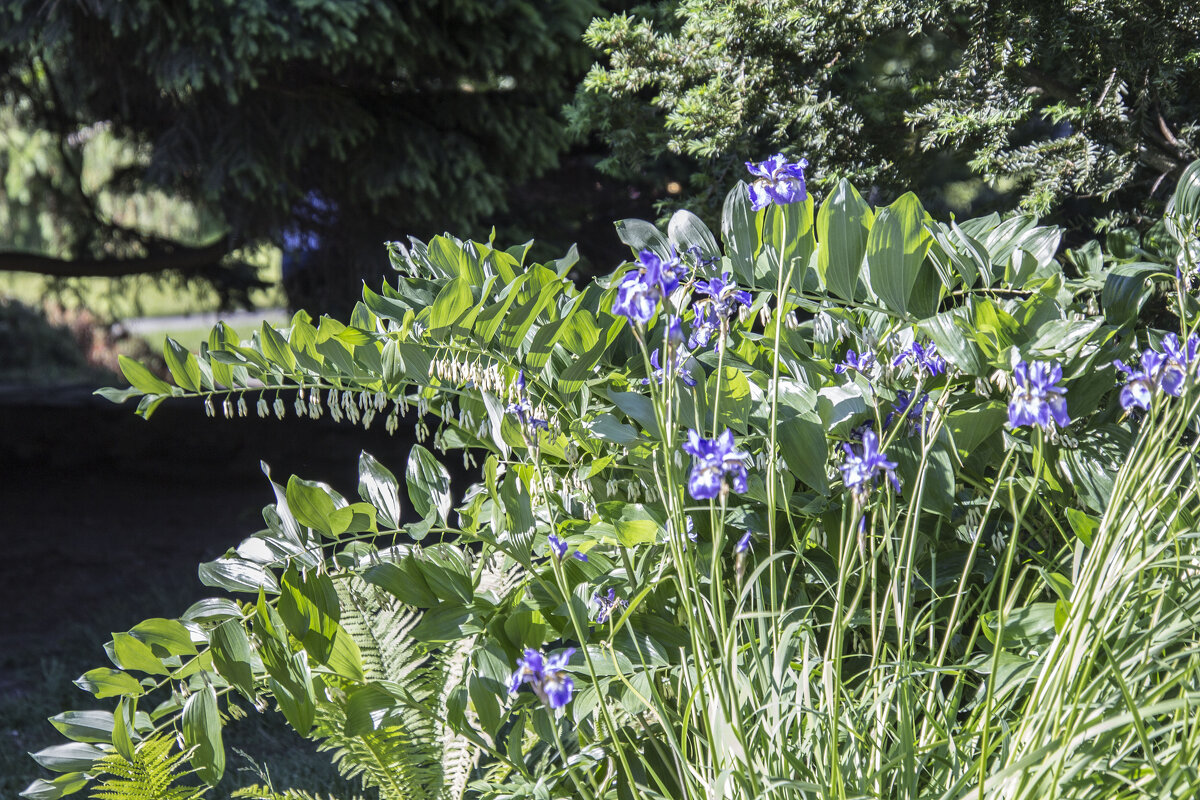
<point>862,465</point>
<point>523,409</point>
<point>607,604</point>
<point>1036,398</point>
<point>722,298</point>
<point>677,358</point>
<point>864,363</point>
<point>925,358</point>
<point>778,182</point>
<point>546,676</point>
<point>559,548</point>
<point>743,544</point>
<point>910,407</point>
<point>641,290</point>
<point>716,459</point>
<point>1180,362</point>
<point>724,294</point>
<point>1141,383</point>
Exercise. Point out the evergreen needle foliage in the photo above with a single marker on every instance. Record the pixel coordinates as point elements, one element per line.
<point>1088,107</point>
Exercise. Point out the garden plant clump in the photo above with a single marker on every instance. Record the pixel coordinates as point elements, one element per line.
<point>851,503</point>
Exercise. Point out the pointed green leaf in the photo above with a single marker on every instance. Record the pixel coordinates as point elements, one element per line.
<point>202,731</point>
<point>141,378</point>
<point>896,248</point>
<point>843,224</point>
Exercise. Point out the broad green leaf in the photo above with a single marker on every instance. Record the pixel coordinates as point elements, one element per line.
<point>946,330</point>
<point>971,427</point>
<point>896,248</point>
<point>450,307</point>
<point>232,656</point>
<point>806,450</point>
<point>447,573</point>
<point>641,235</point>
<point>843,224</point>
<point>141,378</point>
<point>1084,525</point>
<point>182,365</point>
<point>211,609</point>
<point>444,623</point>
<point>404,581</point>
<point>728,392</point>
<point>167,636</point>
<point>237,575</point>
<point>133,654</point>
<point>123,722</point>
<point>104,682</point>
<point>1031,626</point>
<point>202,731</point>
<point>364,709</point>
<point>686,230</point>
<point>1125,289</point>
<point>379,487</point>
<point>428,484</point>
<point>637,407</point>
<point>276,348</point>
<point>739,234</point>
<point>72,757</point>
<point>313,505</point>
<point>609,428</point>
<point>84,726</point>
<point>61,786</point>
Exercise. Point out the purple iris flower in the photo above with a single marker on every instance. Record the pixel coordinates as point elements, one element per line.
<point>925,358</point>
<point>546,676</point>
<point>677,357</point>
<point>723,296</point>
<point>704,325</point>
<point>641,290</point>
<point>1141,383</point>
<point>679,361</point>
<point>861,467</point>
<point>559,548</point>
<point>523,409</point>
<point>607,604</point>
<point>778,182</point>
<point>691,529</point>
<point>1036,399</point>
<point>1180,361</point>
<point>864,363</point>
<point>716,459</point>
<point>743,544</point>
<point>909,406</point>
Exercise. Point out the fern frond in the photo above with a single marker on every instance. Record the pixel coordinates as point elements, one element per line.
<point>459,755</point>
<point>152,775</point>
<point>258,792</point>
<point>402,758</point>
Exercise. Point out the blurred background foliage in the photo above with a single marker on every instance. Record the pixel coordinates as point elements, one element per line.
<point>159,138</point>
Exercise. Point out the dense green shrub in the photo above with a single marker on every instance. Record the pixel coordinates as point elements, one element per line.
<point>1090,105</point>
<point>683,570</point>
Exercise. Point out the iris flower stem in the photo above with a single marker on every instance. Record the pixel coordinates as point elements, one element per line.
<point>1007,600</point>
<point>689,590</point>
<point>561,580</point>
<point>782,282</point>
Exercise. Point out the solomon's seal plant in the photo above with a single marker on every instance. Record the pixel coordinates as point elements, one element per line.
<point>932,604</point>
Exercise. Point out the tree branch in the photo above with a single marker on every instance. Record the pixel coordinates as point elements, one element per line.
<point>178,259</point>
